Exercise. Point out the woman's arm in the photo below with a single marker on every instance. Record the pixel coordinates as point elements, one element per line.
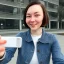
<point>57,56</point>
<point>8,55</point>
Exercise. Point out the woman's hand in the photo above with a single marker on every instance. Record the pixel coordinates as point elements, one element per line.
<point>2,48</point>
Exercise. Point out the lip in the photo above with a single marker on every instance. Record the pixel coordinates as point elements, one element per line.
<point>33,24</point>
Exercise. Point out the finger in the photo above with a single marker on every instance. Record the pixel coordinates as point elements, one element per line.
<point>2,48</point>
<point>2,42</point>
<point>2,51</point>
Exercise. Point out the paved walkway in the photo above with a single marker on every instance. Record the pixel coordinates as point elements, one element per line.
<point>11,32</point>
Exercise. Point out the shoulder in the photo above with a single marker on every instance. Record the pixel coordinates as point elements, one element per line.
<point>21,34</point>
<point>50,36</point>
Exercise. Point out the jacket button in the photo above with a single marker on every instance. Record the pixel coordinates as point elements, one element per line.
<point>38,50</point>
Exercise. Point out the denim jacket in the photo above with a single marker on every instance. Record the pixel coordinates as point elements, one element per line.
<point>46,46</point>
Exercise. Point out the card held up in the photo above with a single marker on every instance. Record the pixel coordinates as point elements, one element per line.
<point>13,41</point>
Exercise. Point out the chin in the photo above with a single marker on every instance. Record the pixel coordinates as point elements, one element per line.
<point>33,29</point>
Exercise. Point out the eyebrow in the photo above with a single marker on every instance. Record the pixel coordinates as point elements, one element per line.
<point>36,12</point>
<point>29,13</point>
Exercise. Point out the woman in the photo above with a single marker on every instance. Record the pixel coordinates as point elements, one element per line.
<point>37,45</point>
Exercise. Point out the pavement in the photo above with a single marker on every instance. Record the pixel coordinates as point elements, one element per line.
<point>13,31</point>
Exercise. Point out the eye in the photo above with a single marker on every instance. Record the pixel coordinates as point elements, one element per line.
<point>28,16</point>
<point>37,15</point>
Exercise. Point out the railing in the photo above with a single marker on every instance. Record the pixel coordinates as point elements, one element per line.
<point>13,4</point>
<point>53,18</point>
<point>6,15</point>
<point>52,9</point>
<point>53,1</point>
<point>63,20</point>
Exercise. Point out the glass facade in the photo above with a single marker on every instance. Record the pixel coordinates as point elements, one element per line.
<point>53,25</point>
<point>9,24</point>
<point>8,11</point>
<point>52,9</point>
<point>11,14</point>
<point>62,25</point>
<point>52,5</point>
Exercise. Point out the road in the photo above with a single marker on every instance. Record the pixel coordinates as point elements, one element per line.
<point>61,42</point>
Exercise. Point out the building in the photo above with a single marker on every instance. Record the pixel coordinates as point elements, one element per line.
<point>11,13</point>
<point>52,8</point>
<point>61,14</point>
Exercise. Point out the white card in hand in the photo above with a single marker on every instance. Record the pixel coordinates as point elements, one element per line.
<point>13,41</point>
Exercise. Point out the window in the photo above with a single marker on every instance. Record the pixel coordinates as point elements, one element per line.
<point>21,1</point>
<point>9,24</point>
<point>52,5</point>
<point>62,25</point>
<point>53,25</point>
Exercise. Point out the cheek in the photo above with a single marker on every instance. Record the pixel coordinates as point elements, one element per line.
<point>26,21</point>
<point>40,21</point>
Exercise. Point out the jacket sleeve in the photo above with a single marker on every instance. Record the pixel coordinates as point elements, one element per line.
<point>57,56</point>
<point>9,54</point>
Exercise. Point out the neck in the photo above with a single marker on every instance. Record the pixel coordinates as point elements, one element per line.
<point>36,32</point>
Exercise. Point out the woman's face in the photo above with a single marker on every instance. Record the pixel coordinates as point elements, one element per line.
<point>34,17</point>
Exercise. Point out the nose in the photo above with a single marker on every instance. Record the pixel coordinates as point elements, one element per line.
<point>32,19</point>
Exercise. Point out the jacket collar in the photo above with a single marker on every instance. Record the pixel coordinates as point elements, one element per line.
<point>43,39</point>
<point>28,37</point>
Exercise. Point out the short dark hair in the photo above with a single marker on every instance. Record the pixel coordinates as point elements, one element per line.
<point>45,19</point>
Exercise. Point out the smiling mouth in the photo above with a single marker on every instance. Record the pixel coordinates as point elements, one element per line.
<point>33,25</point>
